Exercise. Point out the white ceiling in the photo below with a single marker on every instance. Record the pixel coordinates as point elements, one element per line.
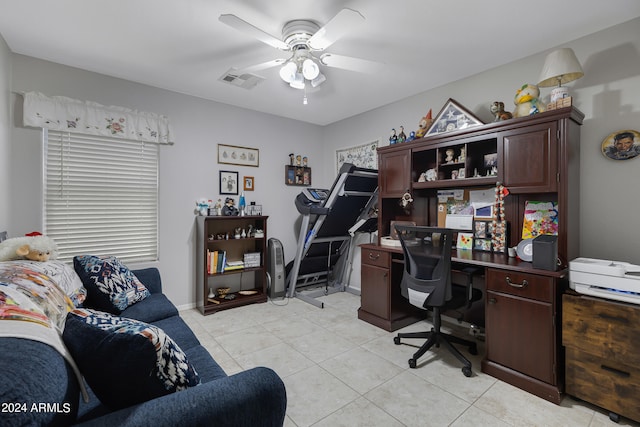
<point>181,46</point>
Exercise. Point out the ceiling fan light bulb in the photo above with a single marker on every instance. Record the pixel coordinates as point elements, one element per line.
<point>310,69</point>
<point>288,72</point>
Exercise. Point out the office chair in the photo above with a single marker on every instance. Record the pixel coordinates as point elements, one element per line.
<point>426,283</point>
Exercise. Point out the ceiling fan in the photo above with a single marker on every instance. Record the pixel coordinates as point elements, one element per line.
<point>306,40</point>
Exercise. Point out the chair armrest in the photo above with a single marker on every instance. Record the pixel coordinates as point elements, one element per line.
<point>150,278</point>
<point>252,398</point>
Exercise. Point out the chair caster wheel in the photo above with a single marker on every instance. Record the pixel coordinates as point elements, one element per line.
<point>473,349</point>
<point>466,371</point>
<point>396,340</point>
<point>614,417</point>
<point>412,363</point>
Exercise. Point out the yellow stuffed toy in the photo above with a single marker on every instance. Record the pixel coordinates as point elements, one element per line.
<point>32,247</point>
<point>527,101</point>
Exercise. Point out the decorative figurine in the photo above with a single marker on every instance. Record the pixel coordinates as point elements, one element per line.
<point>461,156</point>
<point>449,155</point>
<point>229,209</point>
<point>291,159</point>
<point>393,139</point>
<point>412,136</point>
<point>424,125</point>
<point>497,109</point>
<point>305,161</point>
<point>402,137</point>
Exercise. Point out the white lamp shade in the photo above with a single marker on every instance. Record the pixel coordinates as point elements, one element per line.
<point>561,66</point>
<point>310,69</point>
<point>288,72</point>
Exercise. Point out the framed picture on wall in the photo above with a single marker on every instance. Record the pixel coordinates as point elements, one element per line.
<point>248,183</point>
<point>229,182</point>
<point>235,155</point>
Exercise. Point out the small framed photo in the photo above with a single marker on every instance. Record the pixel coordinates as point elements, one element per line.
<point>229,182</point>
<point>248,183</point>
<point>490,160</point>
<point>482,235</point>
<point>482,245</point>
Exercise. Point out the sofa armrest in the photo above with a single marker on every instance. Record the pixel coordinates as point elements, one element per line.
<point>150,278</point>
<point>252,398</point>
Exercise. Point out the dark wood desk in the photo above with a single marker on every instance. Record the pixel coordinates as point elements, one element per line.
<point>521,307</point>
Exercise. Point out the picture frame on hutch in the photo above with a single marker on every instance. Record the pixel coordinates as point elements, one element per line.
<point>452,117</point>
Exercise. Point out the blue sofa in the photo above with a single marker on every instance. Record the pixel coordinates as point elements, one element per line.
<point>39,387</point>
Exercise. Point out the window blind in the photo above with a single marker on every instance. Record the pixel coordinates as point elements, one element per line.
<point>101,196</point>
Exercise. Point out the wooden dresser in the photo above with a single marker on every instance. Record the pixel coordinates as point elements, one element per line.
<point>603,353</point>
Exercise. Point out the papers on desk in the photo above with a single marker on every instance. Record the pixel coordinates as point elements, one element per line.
<point>454,209</point>
<point>459,222</point>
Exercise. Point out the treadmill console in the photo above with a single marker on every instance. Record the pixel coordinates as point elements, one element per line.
<point>315,195</point>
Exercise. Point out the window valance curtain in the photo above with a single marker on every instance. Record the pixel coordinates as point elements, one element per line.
<point>71,115</point>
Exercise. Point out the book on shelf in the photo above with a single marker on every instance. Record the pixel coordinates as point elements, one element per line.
<point>234,265</point>
<point>216,261</point>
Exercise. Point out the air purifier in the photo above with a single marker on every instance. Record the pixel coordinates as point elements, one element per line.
<point>276,269</point>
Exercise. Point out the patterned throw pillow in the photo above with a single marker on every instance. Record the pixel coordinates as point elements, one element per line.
<point>111,286</point>
<point>126,361</point>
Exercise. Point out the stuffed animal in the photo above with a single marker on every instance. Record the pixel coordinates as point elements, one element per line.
<point>527,101</point>
<point>32,247</point>
<point>497,109</point>
<point>424,125</point>
<point>202,207</point>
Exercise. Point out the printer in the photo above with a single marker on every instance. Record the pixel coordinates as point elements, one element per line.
<point>606,279</point>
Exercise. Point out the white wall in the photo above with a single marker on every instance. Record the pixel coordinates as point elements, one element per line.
<point>188,169</point>
<point>609,95</point>
<point>5,134</point>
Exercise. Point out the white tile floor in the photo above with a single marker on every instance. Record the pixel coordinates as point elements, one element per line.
<point>341,371</point>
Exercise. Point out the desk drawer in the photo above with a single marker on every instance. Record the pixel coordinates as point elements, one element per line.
<point>375,257</point>
<point>603,328</point>
<point>525,285</point>
<point>605,383</point>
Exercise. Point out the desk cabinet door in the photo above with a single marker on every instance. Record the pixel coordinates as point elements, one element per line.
<point>531,159</point>
<point>375,292</point>
<point>520,335</point>
<point>395,173</point>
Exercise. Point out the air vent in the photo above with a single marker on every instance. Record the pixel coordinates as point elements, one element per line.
<point>243,80</point>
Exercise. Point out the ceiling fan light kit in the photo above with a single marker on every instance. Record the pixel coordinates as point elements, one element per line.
<point>303,37</point>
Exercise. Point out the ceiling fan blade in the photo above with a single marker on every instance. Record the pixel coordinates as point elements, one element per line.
<point>350,63</point>
<point>245,27</point>
<point>262,66</point>
<point>345,21</point>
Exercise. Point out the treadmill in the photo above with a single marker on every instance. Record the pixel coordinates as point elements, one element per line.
<point>330,219</point>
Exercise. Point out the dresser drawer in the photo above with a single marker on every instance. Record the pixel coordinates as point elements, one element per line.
<point>603,328</point>
<point>598,380</point>
<point>526,285</point>
<point>375,257</point>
